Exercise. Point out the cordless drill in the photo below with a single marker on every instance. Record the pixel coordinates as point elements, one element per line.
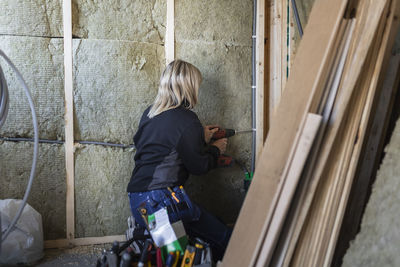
<point>224,160</point>
<point>223,133</point>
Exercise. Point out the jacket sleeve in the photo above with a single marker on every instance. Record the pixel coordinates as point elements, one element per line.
<point>197,158</point>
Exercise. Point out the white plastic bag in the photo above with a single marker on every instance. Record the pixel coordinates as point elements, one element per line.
<point>25,243</point>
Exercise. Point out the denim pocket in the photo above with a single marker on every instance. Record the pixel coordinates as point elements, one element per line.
<point>183,209</point>
<point>194,211</point>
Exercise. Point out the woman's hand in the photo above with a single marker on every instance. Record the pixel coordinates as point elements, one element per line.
<point>221,144</point>
<point>209,130</point>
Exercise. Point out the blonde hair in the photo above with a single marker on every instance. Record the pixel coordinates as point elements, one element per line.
<point>179,85</point>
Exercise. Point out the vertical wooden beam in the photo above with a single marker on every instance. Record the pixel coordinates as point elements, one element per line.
<point>292,27</point>
<point>170,32</point>
<point>285,46</point>
<point>280,50</point>
<point>276,55</point>
<point>260,67</point>
<point>69,119</point>
<point>267,65</point>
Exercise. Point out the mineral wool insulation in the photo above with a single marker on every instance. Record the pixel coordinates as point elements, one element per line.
<point>378,242</point>
<point>118,57</point>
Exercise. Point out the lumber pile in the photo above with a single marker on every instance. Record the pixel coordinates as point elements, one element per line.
<point>294,209</point>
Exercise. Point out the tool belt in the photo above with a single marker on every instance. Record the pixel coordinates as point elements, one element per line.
<point>178,204</point>
<point>181,206</point>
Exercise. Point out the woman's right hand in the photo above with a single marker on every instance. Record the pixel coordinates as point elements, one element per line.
<point>221,144</point>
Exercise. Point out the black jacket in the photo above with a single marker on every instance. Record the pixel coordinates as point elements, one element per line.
<point>169,147</point>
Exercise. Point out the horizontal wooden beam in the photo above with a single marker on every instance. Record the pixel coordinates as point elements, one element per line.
<point>63,243</point>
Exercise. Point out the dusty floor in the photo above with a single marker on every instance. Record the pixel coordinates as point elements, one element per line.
<point>78,256</point>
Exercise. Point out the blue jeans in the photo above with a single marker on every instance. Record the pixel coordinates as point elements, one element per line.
<point>197,221</point>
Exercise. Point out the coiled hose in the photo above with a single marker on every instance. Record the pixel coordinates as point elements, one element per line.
<point>3,114</point>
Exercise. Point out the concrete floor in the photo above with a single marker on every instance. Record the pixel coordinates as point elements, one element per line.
<point>81,256</point>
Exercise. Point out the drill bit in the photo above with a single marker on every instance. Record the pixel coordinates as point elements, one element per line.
<point>243,131</point>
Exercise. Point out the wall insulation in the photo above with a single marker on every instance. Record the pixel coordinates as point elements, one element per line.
<point>100,183</point>
<point>40,60</point>
<point>379,238</point>
<point>118,57</point>
<point>208,37</point>
<point>48,190</point>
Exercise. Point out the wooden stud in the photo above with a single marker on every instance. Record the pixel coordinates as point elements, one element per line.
<point>267,68</point>
<point>69,119</point>
<point>285,50</point>
<point>260,67</point>
<point>276,56</point>
<point>170,32</point>
<point>63,243</point>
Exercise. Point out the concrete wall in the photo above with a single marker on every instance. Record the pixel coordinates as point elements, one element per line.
<point>118,56</point>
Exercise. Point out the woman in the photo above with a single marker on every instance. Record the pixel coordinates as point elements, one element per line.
<point>171,143</point>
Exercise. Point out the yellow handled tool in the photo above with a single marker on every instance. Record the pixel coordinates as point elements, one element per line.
<point>188,258</point>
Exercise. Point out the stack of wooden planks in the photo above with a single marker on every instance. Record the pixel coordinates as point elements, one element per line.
<point>293,211</point>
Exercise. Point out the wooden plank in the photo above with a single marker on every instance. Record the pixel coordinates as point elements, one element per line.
<point>321,207</point>
<point>170,32</point>
<point>63,243</point>
<point>367,166</point>
<point>338,185</point>
<point>380,77</point>
<point>286,246</point>
<point>276,56</point>
<point>267,67</point>
<point>260,77</point>
<point>376,77</point>
<point>327,112</point>
<point>363,36</point>
<point>307,137</point>
<point>351,145</point>
<point>69,119</point>
<point>336,182</point>
<point>285,130</point>
<point>285,48</point>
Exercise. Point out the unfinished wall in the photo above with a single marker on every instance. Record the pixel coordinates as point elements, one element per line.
<point>40,61</point>
<point>117,65</point>
<point>118,56</point>
<point>101,175</point>
<point>215,36</point>
<point>40,18</point>
<point>114,81</point>
<point>48,190</point>
<point>28,35</point>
